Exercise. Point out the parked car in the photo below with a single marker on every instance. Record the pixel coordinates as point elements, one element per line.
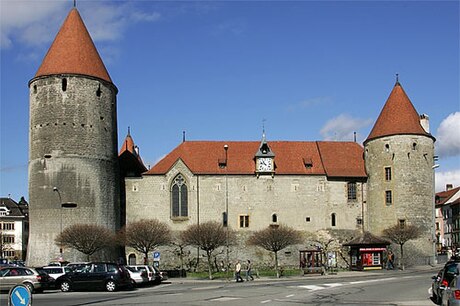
<point>54,271</point>
<point>30,277</point>
<point>152,275</point>
<point>451,295</point>
<point>443,279</point>
<point>138,277</point>
<point>73,266</point>
<point>96,275</point>
<point>163,274</point>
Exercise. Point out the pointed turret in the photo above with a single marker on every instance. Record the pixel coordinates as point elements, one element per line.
<point>73,52</point>
<point>398,117</point>
<point>130,161</point>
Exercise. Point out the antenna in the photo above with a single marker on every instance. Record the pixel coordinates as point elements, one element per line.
<point>183,136</point>
<point>397,78</point>
<point>74,3</point>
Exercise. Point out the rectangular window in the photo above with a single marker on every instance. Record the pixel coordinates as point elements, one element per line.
<point>402,223</point>
<point>351,188</point>
<point>387,173</point>
<point>388,197</point>
<point>8,239</point>
<point>8,226</point>
<point>244,221</point>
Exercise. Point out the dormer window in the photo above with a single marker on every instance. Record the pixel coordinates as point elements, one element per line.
<point>307,162</point>
<point>4,211</point>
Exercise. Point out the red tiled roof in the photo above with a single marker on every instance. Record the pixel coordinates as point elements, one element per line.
<point>129,148</point>
<point>444,196</point>
<point>341,159</point>
<point>398,116</point>
<point>73,52</point>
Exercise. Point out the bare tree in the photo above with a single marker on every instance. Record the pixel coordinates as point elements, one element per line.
<point>208,236</point>
<point>86,238</point>
<point>145,235</point>
<point>274,239</point>
<point>400,234</point>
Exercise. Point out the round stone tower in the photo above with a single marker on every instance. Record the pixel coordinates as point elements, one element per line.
<point>72,144</point>
<point>399,156</point>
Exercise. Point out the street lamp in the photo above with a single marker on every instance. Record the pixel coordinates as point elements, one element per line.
<point>62,206</point>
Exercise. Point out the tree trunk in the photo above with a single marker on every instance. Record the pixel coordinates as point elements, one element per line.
<point>276,265</point>
<point>209,264</point>
<point>401,260</point>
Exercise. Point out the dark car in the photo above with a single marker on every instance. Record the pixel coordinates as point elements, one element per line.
<point>451,295</point>
<point>443,279</point>
<point>96,275</point>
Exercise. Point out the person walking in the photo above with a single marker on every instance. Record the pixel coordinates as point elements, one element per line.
<point>249,271</point>
<point>238,272</point>
<point>390,260</point>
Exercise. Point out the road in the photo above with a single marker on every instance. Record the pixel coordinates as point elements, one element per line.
<point>360,289</point>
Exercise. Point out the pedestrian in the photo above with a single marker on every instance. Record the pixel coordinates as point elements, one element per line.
<point>390,260</point>
<point>249,271</point>
<point>238,272</point>
<point>222,266</point>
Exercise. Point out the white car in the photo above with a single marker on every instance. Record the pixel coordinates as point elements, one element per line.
<point>55,271</point>
<point>149,271</point>
<point>137,276</point>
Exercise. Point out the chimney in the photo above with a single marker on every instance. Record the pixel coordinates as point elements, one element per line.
<point>425,122</point>
<point>449,187</point>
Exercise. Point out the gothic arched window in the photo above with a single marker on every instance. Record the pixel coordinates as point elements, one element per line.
<point>179,197</point>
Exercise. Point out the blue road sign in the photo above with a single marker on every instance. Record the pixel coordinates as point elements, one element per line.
<point>156,256</point>
<point>20,296</point>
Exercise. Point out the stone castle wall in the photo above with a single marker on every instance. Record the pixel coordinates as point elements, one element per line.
<point>72,146</point>
<point>410,158</point>
<point>304,202</point>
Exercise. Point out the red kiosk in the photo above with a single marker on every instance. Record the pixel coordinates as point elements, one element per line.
<point>367,252</point>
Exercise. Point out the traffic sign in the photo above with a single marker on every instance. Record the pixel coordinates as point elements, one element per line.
<point>20,295</point>
<point>156,256</point>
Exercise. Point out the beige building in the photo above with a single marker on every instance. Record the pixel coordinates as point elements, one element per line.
<point>338,187</point>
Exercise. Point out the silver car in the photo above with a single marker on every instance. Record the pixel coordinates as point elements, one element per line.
<point>35,281</point>
<point>451,295</point>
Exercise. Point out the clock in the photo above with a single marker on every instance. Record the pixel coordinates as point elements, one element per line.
<point>265,164</point>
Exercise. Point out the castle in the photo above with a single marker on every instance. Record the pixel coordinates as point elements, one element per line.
<point>248,185</point>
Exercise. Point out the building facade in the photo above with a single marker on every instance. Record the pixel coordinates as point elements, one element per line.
<point>340,188</point>
<point>14,229</point>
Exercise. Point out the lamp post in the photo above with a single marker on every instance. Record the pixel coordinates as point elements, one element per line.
<point>55,189</point>
<point>226,205</point>
<point>62,206</point>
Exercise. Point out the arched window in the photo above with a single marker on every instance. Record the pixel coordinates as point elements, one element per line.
<point>132,259</point>
<point>274,218</point>
<point>179,197</point>
<point>333,221</point>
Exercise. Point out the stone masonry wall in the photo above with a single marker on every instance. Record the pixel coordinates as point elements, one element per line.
<point>73,146</point>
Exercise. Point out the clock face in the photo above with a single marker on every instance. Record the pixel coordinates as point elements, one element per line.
<point>265,164</point>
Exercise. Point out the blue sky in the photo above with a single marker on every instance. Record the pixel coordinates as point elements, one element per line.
<point>310,70</point>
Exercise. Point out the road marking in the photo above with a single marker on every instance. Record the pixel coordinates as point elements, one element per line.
<point>290,295</point>
<point>312,287</point>
<point>226,298</point>
<point>372,280</point>
<point>266,301</point>
<point>331,285</point>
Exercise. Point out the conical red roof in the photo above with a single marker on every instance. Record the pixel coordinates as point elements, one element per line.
<point>73,52</point>
<point>398,116</point>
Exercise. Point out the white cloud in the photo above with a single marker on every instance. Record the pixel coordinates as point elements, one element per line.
<point>342,127</point>
<point>19,17</point>
<point>447,177</point>
<point>35,23</point>
<point>448,136</point>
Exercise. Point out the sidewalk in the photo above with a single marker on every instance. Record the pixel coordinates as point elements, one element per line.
<point>340,274</point>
